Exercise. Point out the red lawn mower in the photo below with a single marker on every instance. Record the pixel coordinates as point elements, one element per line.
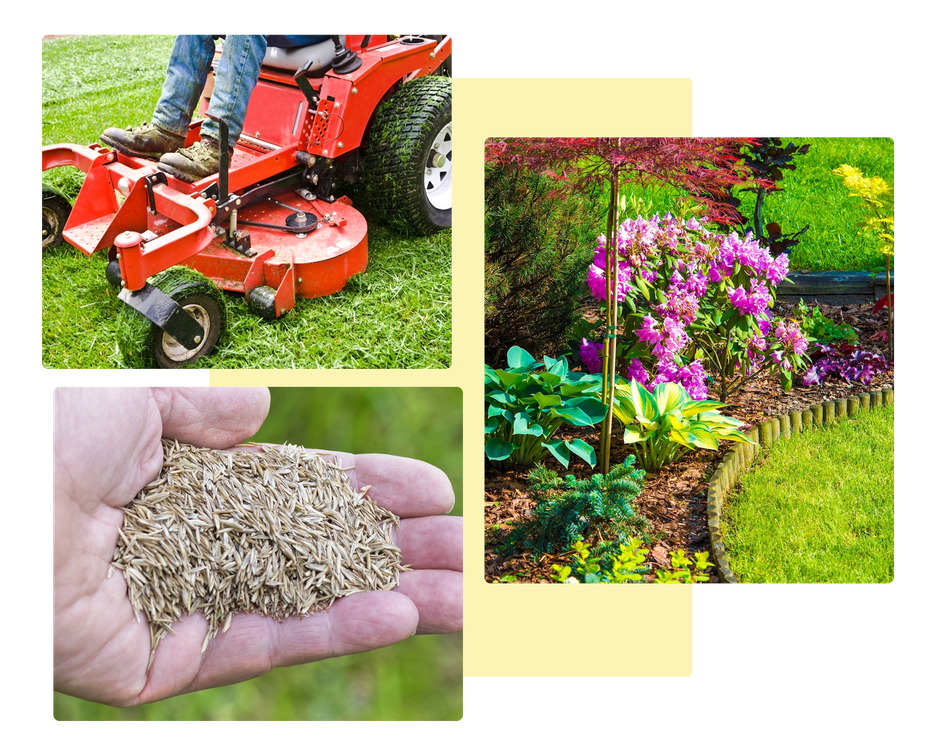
<point>366,109</point>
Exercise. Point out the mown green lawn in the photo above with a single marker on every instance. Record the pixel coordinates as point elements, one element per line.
<point>811,194</point>
<point>819,507</point>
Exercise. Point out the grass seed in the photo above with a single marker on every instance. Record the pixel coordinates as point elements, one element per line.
<point>279,532</point>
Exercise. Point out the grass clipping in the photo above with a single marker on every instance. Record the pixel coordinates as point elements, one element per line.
<point>279,532</point>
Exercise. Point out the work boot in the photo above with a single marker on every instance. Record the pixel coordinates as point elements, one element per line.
<point>194,162</point>
<point>145,141</point>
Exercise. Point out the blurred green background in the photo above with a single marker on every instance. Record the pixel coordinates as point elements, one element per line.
<point>418,679</point>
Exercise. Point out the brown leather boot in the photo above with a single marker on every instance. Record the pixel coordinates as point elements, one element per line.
<point>145,141</point>
<point>195,162</point>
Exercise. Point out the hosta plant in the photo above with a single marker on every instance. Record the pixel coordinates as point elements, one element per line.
<point>529,401</point>
<point>660,425</point>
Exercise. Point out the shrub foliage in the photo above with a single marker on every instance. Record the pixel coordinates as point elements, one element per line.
<point>536,256</point>
<point>566,508</point>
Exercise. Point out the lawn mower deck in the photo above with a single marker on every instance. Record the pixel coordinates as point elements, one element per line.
<point>322,243</point>
<point>270,224</point>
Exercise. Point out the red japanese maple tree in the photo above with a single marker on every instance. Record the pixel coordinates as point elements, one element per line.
<point>706,169</point>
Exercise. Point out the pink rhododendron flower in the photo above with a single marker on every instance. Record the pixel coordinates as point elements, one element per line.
<point>694,272</point>
<point>755,303</point>
<point>789,334</point>
<point>649,331</point>
<point>778,270</point>
<point>597,283</point>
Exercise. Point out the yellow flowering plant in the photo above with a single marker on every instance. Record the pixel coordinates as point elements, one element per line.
<point>878,196</point>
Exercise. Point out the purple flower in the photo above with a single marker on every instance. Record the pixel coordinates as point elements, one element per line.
<point>591,355</point>
<point>636,371</point>
<point>812,377</point>
<point>850,362</point>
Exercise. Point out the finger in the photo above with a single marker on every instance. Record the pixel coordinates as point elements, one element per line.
<point>438,597</point>
<point>407,487</point>
<point>253,645</point>
<point>214,417</point>
<point>430,542</point>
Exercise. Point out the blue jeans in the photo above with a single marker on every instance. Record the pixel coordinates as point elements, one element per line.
<point>188,66</point>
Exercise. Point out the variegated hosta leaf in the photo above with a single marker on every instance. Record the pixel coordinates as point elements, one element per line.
<point>633,435</point>
<point>700,406</point>
<point>670,396</point>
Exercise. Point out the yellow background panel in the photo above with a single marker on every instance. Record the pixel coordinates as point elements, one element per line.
<point>533,630</point>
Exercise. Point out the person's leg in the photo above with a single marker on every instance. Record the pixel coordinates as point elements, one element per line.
<point>184,81</point>
<point>236,77</point>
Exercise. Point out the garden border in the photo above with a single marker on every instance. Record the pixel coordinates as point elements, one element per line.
<point>740,457</point>
<point>834,287</point>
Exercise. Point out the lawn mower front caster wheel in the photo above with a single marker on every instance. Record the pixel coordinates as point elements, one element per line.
<point>145,345</point>
<point>55,212</point>
<point>261,301</point>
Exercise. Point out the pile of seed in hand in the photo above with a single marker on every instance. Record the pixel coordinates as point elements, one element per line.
<point>280,532</point>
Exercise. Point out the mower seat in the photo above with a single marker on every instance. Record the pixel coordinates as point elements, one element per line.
<point>290,53</point>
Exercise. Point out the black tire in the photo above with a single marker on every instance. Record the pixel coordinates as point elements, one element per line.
<point>143,345</point>
<point>407,163</point>
<point>55,212</point>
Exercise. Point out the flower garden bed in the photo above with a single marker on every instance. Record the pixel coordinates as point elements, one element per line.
<point>673,501</point>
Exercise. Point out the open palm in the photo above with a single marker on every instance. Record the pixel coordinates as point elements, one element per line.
<point>108,446</point>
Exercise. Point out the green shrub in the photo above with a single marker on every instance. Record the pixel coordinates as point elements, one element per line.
<point>570,507</point>
<point>537,250</point>
<point>823,329</point>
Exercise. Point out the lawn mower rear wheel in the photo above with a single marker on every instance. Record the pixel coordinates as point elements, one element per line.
<point>55,212</point>
<point>145,345</point>
<point>407,169</point>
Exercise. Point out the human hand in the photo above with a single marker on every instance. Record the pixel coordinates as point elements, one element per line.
<point>107,447</point>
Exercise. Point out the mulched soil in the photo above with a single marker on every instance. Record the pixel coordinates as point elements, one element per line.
<point>674,501</point>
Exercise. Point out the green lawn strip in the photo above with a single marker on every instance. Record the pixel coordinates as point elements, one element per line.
<point>818,507</point>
